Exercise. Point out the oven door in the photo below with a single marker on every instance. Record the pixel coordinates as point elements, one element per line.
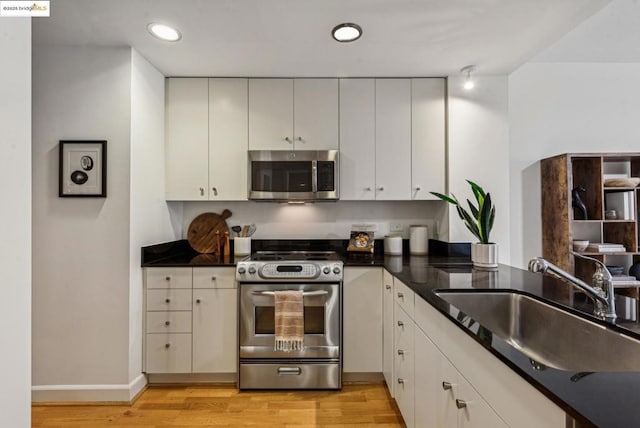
<point>322,314</point>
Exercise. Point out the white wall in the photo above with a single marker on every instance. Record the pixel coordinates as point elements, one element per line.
<point>326,220</point>
<point>563,108</point>
<point>80,245</point>
<point>15,245</point>
<point>479,151</point>
<point>150,217</point>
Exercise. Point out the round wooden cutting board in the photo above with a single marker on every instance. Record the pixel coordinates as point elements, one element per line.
<point>202,231</point>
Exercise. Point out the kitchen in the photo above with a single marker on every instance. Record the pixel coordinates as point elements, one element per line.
<point>522,115</point>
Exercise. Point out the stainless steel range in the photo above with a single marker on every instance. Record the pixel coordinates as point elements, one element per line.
<point>318,274</point>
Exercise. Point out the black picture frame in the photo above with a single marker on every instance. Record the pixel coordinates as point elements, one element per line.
<point>82,169</point>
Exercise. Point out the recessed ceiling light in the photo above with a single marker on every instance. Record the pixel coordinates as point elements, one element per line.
<point>346,32</point>
<point>164,32</point>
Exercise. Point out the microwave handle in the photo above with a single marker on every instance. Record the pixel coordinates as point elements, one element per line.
<point>314,176</point>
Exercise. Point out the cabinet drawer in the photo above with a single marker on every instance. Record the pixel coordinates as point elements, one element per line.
<point>215,277</point>
<point>403,329</point>
<point>168,353</point>
<point>169,322</point>
<point>405,383</point>
<point>404,296</point>
<point>168,300</point>
<point>168,277</point>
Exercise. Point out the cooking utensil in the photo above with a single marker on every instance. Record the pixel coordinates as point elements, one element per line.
<point>202,231</point>
<point>245,230</point>
<point>252,229</point>
<point>236,229</point>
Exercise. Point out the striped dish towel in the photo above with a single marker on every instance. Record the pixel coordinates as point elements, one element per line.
<point>289,314</point>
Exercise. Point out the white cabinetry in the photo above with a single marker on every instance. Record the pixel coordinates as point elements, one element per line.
<point>427,137</point>
<point>287,114</point>
<point>190,320</point>
<point>387,331</point>
<point>393,139</point>
<point>187,139</point>
<point>228,139</point>
<point>362,325</point>
<point>206,139</point>
<point>404,364</point>
<point>215,315</point>
<point>357,139</point>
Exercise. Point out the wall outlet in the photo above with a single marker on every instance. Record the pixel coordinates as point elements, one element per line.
<point>396,227</point>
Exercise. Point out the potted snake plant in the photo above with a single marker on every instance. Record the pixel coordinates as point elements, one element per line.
<point>479,221</point>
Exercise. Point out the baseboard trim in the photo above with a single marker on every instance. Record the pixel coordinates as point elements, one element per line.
<point>117,393</point>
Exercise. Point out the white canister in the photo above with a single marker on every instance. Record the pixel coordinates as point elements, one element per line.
<point>241,246</point>
<point>418,240</point>
<point>393,245</point>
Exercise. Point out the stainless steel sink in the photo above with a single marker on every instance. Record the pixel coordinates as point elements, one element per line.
<point>548,335</point>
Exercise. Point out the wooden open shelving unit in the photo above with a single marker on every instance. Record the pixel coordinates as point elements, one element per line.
<point>561,225</point>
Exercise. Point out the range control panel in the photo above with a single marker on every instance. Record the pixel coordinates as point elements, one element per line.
<point>252,271</point>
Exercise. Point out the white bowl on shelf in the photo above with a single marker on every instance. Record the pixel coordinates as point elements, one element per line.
<point>580,245</point>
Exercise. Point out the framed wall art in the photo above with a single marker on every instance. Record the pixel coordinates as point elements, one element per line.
<point>83,169</point>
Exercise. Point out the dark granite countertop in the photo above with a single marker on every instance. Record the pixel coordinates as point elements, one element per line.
<point>604,399</point>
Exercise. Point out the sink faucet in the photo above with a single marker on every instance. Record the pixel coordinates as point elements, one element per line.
<point>601,292</point>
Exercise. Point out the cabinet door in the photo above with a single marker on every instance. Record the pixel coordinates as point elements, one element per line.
<point>215,318</point>
<point>357,139</point>
<point>362,326</point>
<point>393,139</point>
<point>476,413</point>
<point>228,139</point>
<point>427,137</point>
<point>435,386</point>
<point>187,139</point>
<point>315,114</point>
<point>387,331</point>
<point>270,114</point>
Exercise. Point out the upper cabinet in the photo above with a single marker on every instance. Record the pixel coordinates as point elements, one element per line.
<point>392,138</point>
<point>206,139</point>
<point>187,139</point>
<point>300,114</point>
<point>427,137</point>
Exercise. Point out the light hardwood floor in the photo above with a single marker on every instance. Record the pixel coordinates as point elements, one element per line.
<point>223,406</point>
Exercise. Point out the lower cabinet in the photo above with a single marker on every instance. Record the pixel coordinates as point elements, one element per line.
<point>190,324</point>
<point>387,331</point>
<point>362,320</point>
<point>444,378</point>
<point>443,397</point>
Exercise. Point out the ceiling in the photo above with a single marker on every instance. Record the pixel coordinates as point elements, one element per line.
<point>292,37</point>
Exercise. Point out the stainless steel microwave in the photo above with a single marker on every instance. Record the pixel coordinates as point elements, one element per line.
<point>300,175</point>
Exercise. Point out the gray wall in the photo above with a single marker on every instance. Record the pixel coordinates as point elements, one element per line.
<point>15,245</point>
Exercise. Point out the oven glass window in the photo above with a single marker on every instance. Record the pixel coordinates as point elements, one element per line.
<point>313,320</point>
<point>285,176</point>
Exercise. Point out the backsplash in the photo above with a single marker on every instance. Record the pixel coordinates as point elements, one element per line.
<point>325,220</point>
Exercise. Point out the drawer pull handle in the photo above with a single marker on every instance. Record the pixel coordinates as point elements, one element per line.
<point>460,404</point>
<point>167,300</point>
<point>400,352</point>
<point>400,296</point>
<point>400,324</point>
<point>167,323</point>
<point>167,278</point>
<point>197,300</point>
<point>401,381</point>
<point>167,345</point>
<point>213,278</point>
<point>289,370</point>
<point>447,386</point>
<point>387,286</point>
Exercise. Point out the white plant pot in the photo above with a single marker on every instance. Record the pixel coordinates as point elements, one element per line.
<point>484,256</point>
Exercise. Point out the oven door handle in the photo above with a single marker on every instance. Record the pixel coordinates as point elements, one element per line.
<point>304,293</point>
